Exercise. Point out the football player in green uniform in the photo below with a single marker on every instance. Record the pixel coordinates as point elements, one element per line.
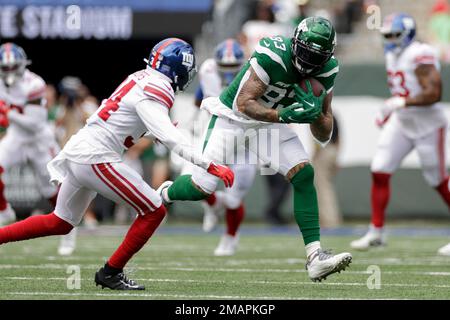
<point>256,107</point>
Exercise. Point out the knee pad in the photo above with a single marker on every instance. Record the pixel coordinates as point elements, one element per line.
<point>231,201</point>
<point>304,178</point>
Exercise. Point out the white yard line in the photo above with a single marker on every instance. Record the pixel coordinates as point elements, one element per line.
<point>179,296</point>
<point>243,270</point>
<point>352,284</point>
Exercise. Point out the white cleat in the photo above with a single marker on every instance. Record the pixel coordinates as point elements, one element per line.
<point>68,243</point>
<point>445,250</point>
<point>322,263</point>
<point>162,191</point>
<point>211,214</point>
<point>7,216</point>
<point>227,246</point>
<point>373,238</point>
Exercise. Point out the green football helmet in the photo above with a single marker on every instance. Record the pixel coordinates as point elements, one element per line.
<point>313,44</point>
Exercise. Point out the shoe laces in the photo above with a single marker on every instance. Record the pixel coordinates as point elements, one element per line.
<point>125,279</point>
<point>322,254</point>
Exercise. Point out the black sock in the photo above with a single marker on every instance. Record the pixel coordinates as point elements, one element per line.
<point>111,271</point>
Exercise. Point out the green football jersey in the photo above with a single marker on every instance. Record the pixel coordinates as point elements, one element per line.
<point>272,62</point>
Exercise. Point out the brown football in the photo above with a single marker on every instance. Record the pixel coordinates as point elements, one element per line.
<point>316,85</point>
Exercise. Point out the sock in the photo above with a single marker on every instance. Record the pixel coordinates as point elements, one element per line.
<point>381,192</point>
<point>35,227</point>
<point>137,236</point>
<point>111,271</point>
<point>444,191</point>
<point>184,189</point>
<point>211,200</point>
<point>312,247</point>
<point>306,208</point>
<point>234,219</point>
<point>53,199</point>
<point>3,202</point>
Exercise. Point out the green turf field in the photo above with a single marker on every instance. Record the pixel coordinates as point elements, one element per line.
<point>181,266</point>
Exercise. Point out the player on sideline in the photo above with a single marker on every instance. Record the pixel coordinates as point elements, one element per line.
<point>28,138</point>
<point>91,161</point>
<point>412,119</point>
<point>214,75</point>
<point>262,99</point>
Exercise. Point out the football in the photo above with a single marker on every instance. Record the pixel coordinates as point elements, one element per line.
<point>316,85</point>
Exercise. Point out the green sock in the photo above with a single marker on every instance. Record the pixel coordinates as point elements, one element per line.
<point>306,209</point>
<point>184,189</point>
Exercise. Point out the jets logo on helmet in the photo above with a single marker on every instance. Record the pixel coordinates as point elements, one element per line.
<point>229,58</point>
<point>399,31</point>
<point>175,59</point>
<point>13,62</point>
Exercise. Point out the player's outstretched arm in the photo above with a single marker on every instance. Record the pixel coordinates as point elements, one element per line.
<point>157,121</point>
<point>247,98</point>
<point>430,80</point>
<point>323,126</point>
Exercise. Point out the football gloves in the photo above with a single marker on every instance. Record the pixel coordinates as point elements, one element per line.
<point>307,109</point>
<point>223,173</point>
<point>390,105</point>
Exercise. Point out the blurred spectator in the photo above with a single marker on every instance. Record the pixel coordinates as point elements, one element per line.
<point>325,168</point>
<point>263,25</point>
<point>76,106</point>
<point>303,12</point>
<point>278,189</point>
<point>346,14</point>
<point>439,28</point>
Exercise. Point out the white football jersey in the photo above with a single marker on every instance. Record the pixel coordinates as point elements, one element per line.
<point>116,126</point>
<point>26,89</point>
<point>402,81</point>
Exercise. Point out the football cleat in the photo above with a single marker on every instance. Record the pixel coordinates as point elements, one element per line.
<point>227,246</point>
<point>445,250</point>
<point>322,263</point>
<point>162,191</point>
<point>7,216</point>
<point>373,238</point>
<point>68,243</point>
<point>115,282</point>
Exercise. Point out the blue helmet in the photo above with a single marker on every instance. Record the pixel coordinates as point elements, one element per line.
<point>175,59</point>
<point>398,30</point>
<point>229,58</point>
<point>13,62</point>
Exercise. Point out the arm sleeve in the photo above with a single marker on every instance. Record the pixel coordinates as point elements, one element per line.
<point>32,119</point>
<point>156,118</point>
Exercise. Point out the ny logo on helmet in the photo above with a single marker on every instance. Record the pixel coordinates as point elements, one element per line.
<point>188,59</point>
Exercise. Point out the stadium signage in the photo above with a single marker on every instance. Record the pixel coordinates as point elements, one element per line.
<point>72,22</point>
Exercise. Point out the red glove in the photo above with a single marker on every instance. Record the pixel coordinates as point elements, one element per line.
<point>3,107</point>
<point>4,123</point>
<point>222,172</point>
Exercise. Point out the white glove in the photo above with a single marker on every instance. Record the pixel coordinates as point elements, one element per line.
<point>395,103</point>
<point>389,106</point>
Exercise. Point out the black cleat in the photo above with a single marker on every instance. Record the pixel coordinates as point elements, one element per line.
<point>115,282</point>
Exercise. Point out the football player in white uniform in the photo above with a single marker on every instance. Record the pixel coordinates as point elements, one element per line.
<point>29,137</point>
<point>412,119</point>
<point>214,75</point>
<point>91,161</point>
